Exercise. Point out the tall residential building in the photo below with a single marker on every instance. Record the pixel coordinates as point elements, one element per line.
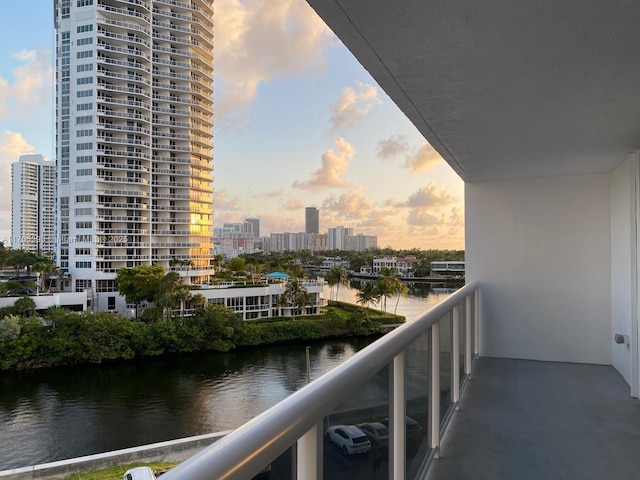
<point>337,237</point>
<point>255,226</point>
<point>311,220</point>
<point>33,203</point>
<point>134,119</point>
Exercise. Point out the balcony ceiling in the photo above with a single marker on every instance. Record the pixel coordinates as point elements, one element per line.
<point>505,89</point>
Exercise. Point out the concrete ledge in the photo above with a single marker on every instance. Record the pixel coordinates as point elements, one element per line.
<point>170,451</point>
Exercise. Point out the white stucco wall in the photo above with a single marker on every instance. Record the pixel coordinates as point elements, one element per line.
<point>541,249</point>
<point>622,262</point>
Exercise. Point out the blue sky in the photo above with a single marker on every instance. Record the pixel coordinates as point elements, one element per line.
<point>299,123</point>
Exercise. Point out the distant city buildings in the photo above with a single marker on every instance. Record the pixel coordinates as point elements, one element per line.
<point>233,239</point>
<point>255,226</point>
<point>311,220</point>
<point>33,204</point>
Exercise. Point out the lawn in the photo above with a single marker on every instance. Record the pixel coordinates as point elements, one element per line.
<point>116,472</point>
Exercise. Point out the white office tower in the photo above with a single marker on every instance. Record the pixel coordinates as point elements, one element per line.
<point>33,204</point>
<point>134,137</point>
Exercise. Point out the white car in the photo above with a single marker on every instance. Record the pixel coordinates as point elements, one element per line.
<point>349,438</point>
<point>139,473</point>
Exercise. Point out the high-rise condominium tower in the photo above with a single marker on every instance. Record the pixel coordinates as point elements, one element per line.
<point>133,137</point>
<point>311,220</point>
<point>33,202</point>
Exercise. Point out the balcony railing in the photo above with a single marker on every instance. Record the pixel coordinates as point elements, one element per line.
<point>298,421</point>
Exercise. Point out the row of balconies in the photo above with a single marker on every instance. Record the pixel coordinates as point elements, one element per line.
<point>125,26</point>
<point>102,71</point>
<point>125,51</point>
<point>124,38</point>
<point>128,90</point>
<point>121,11</point>
<point>172,14</point>
<point>123,128</point>
<point>107,178</point>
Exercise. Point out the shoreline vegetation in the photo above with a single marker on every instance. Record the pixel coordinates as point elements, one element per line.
<point>60,337</point>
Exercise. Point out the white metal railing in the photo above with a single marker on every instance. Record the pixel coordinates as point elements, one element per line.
<point>298,419</point>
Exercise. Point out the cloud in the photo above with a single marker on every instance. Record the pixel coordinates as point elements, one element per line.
<point>353,106</point>
<point>424,159</point>
<point>430,196</point>
<point>223,202</point>
<point>278,192</point>
<point>32,85</point>
<point>392,147</point>
<point>334,165</point>
<point>350,205</point>
<point>293,204</point>
<point>12,145</point>
<point>257,41</point>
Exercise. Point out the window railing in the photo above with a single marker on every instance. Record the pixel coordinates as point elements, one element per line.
<point>420,365</point>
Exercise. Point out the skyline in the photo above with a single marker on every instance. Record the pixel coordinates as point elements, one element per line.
<point>336,141</point>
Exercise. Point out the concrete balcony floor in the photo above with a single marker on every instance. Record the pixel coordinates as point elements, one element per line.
<point>523,419</point>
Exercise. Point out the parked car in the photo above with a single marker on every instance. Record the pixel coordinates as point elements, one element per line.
<point>376,432</point>
<point>411,425</point>
<point>349,438</point>
<point>139,473</point>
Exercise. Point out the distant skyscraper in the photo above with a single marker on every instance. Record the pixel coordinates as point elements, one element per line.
<point>33,203</point>
<point>134,117</point>
<point>255,222</point>
<point>311,220</point>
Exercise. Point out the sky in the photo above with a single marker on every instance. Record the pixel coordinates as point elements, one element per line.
<point>298,123</point>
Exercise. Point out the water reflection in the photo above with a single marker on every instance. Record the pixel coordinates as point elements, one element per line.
<point>54,414</point>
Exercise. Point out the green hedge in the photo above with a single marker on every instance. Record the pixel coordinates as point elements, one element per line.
<point>68,338</point>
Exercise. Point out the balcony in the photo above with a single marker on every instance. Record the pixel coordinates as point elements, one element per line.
<point>531,420</point>
<point>427,358</point>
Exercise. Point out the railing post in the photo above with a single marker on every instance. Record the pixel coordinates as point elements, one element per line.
<point>309,453</point>
<point>476,320</point>
<point>467,336</point>
<point>455,357</point>
<point>434,388</point>
<point>397,413</point>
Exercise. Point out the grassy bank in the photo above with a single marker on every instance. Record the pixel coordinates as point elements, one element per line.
<point>62,338</point>
<point>116,473</point>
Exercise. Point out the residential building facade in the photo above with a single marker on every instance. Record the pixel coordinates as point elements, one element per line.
<point>133,137</point>
<point>337,237</point>
<point>311,220</point>
<point>33,202</point>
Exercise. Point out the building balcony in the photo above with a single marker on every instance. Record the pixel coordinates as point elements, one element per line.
<point>493,418</point>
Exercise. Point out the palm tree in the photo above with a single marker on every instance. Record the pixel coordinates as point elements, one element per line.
<point>401,289</point>
<point>296,295</point>
<point>367,294</point>
<point>387,284</point>
<point>337,276</point>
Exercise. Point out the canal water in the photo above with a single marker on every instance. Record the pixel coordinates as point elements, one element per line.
<point>54,414</point>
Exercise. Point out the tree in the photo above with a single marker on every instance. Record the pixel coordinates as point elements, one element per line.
<point>237,265</point>
<point>24,307</point>
<point>172,293</point>
<point>140,283</point>
<point>296,295</point>
<point>367,294</point>
<point>4,255</point>
<point>45,267</point>
<point>198,300</point>
<point>386,285</point>
<point>337,276</point>
<point>19,259</point>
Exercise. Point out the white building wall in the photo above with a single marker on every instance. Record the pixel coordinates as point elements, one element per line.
<point>541,249</point>
<point>624,297</point>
